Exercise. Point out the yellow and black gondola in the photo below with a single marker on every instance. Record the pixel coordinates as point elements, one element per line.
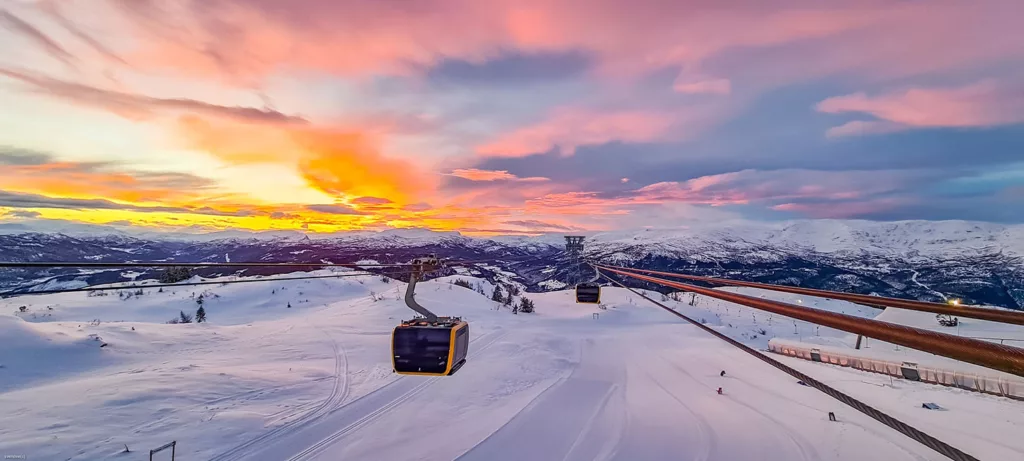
<point>430,347</point>
<point>588,293</point>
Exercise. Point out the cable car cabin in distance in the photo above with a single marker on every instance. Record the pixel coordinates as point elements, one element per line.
<point>588,293</point>
<point>434,347</point>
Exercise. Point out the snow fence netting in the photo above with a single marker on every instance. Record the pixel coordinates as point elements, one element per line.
<point>997,384</point>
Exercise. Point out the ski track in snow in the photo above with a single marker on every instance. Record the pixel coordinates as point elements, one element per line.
<point>339,392</point>
<point>362,421</point>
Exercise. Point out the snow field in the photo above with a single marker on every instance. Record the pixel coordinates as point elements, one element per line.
<point>262,381</point>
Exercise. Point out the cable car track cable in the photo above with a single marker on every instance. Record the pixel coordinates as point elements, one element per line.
<point>1000,357</point>
<point>11,294</point>
<point>20,265</point>
<point>929,441</point>
<point>992,315</point>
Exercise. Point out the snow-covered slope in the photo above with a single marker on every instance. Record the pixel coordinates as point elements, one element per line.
<point>262,380</point>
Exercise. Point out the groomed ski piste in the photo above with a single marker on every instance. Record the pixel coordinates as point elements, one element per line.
<point>264,381</point>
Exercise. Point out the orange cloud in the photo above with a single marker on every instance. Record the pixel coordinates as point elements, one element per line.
<point>344,162</point>
<point>349,165</point>
<point>986,103</point>
<point>569,128</point>
<point>90,180</point>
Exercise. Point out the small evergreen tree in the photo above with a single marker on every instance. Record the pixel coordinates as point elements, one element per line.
<point>184,318</point>
<point>175,275</point>
<point>508,300</point>
<point>526,305</point>
<point>496,296</point>
<point>200,314</point>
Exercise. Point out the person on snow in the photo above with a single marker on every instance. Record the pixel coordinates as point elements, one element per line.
<point>719,391</point>
<point>722,373</point>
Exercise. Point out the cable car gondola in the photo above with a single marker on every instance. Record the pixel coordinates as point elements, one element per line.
<point>428,345</point>
<point>436,347</point>
<point>588,293</point>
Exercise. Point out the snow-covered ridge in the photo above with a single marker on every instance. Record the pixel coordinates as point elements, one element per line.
<point>908,238</point>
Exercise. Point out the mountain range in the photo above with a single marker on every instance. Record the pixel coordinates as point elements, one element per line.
<point>978,263</point>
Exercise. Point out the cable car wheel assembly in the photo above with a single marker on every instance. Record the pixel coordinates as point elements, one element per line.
<point>428,345</point>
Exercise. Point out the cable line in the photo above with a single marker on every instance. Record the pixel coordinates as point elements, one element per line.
<point>987,354</point>
<point>9,294</point>
<point>19,265</point>
<point>929,441</point>
<point>992,315</point>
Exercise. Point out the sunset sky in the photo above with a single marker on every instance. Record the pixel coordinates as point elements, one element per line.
<point>509,116</point>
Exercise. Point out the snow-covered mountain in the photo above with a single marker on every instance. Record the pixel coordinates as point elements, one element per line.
<point>979,262</point>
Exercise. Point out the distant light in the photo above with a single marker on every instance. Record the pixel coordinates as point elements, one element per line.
<point>955,302</point>
<point>800,301</point>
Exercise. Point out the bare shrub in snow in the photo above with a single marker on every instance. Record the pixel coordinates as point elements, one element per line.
<point>184,318</point>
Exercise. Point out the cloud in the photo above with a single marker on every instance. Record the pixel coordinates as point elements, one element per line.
<point>417,207</point>
<point>702,85</point>
<point>860,127</point>
<point>983,104</point>
<point>371,201</point>
<point>12,156</point>
<point>136,106</point>
<point>21,214</point>
<point>568,128</point>
<point>49,45</point>
<point>27,200</point>
<point>334,209</point>
<point>349,164</point>
<point>511,69</point>
<point>624,37</point>
<point>339,161</point>
<point>534,224</point>
<point>474,174</point>
<point>843,209</point>
<point>805,191</point>
<point>52,9</point>
<point>29,171</point>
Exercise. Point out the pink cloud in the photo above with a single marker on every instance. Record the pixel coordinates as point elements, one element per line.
<point>795,187</point>
<point>842,210</point>
<point>244,41</point>
<point>33,34</point>
<point>986,103</point>
<point>136,106</point>
<point>570,128</point>
<point>256,37</point>
<point>474,174</point>
<point>702,86</point>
